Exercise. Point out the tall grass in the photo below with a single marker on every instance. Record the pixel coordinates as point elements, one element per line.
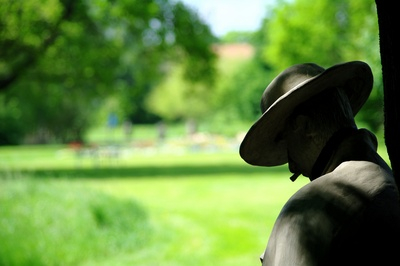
<point>59,223</point>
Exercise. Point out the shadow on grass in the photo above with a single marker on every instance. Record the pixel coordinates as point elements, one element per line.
<point>178,171</point>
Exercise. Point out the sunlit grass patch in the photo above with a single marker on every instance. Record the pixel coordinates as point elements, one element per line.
<point>220,219</point>
<point>58,223</point>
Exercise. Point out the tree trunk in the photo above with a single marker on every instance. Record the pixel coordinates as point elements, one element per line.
<point>389,49</point>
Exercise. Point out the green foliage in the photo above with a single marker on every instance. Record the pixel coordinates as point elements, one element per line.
<point>239,99</point>
<point>184,93</point>
<point>177,98</point>
<point>27,28</point>
<point>238,37</point>
<point>327,33</point>
<point>198,66</point>
<point>297,32</point>
<point>56,223</point>
<point>10,121</point>
<point>62,60</point>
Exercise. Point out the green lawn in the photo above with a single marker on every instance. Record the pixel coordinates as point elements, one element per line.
<point>200,208</point>
<point>205,209</point>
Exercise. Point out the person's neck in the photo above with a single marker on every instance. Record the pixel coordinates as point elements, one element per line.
<point>329,148</point>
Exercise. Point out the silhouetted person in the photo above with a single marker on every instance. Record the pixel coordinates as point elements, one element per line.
<point>349,214</point>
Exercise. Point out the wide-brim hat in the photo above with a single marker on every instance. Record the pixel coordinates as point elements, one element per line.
<point>292,87</point>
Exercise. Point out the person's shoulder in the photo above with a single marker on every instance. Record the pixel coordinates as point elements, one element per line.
<point>367,176</point>
<point>348,182</point>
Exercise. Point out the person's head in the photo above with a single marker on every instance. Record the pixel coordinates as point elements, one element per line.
<point>301,108</point>
<point>311,124</point>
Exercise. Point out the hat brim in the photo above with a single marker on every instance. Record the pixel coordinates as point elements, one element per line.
<point>260,145</point>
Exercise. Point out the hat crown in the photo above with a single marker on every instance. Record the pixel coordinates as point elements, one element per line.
<point>287,81</point>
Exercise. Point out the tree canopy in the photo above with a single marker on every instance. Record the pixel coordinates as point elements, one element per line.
<point>60,59</point>
<point>320,31</point>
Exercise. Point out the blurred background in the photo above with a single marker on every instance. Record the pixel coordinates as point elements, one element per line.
<point>120,123</point>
